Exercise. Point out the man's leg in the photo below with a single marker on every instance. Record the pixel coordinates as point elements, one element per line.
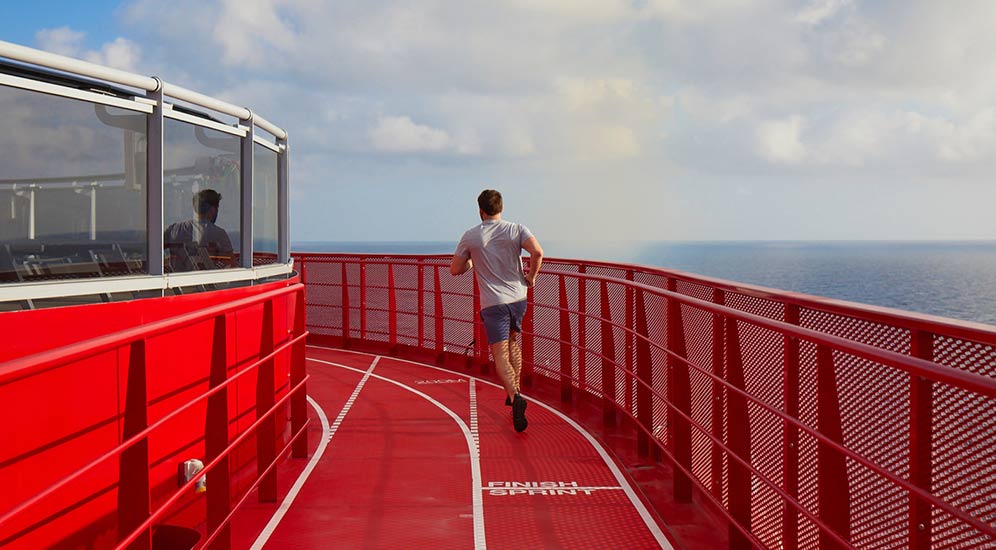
<point>510,379</point>
<point>497,324</point>
<point>504,367</point>
<point>515,355</point>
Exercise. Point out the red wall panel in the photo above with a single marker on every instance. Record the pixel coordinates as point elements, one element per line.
<point>69,415</point>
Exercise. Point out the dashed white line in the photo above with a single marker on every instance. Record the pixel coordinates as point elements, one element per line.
<point>474,434</point>
<point>327,434</point>
<point>473,415</point>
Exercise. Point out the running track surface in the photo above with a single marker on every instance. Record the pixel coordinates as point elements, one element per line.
<point>415,456</point>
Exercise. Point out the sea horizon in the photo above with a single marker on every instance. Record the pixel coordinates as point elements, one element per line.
<point>947,278</point>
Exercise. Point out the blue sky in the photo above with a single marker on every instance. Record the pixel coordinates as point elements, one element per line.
<point>598,119</point>
<point>23,19</point>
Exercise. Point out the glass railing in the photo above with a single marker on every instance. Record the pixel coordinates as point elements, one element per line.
<point>115,193</point>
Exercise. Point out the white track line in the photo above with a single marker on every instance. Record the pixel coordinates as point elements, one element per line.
<point>648,519</point>
<point>327,433</point>
<point>475,455</point>
<point>478,518</point>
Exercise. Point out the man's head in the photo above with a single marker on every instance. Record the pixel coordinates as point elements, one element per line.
<point>206,203</point>
<point>490,202</point>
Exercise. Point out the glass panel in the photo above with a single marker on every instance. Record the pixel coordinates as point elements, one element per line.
<point>72,188</point>
<point>202,201</point>
<point>264,206</point>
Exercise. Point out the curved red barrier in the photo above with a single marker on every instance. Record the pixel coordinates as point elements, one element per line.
<point>808,422</point>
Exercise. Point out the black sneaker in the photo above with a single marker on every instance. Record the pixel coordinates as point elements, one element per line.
<point>519,413</point>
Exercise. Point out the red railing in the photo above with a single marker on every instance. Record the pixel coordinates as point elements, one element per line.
<point>808,422</point>
<point>212,384</point>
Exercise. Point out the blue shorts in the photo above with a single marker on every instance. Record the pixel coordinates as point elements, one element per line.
<point>502,318</point>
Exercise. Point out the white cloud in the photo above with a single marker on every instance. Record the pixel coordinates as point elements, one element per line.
<point>518,142</point>
<point>120,53</point>
<point>779,141</point>
<point>585,94</point>
<point>819,11</point>
<point>246,28</point>
<point>402,135</point>
<point>614,142</point>
<point>853,44</point>
<point>62,40</point>
<point>577,10</point>
<point>689,10</point>
<point>972,140</point>
<point>858,137</point>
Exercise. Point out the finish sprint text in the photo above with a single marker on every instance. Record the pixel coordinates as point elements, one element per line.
<point>547,488</point>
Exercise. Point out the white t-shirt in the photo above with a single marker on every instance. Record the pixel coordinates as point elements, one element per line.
<point>495,247</point>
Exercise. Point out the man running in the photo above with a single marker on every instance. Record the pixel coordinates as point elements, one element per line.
<point>493,249</point>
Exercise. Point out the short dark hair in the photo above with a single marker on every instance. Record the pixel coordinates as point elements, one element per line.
<point>205,199</point>
<point>490,202</point>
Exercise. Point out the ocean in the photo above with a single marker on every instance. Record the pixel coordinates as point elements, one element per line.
<point>955,279</point>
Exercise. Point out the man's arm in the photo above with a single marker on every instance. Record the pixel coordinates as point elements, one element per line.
<point>460,265</point>
<point>535,251</point>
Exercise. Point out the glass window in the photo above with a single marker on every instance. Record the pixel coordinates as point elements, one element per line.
<point>264,206</point>
<point>202,201</point>
<point>72,188</point>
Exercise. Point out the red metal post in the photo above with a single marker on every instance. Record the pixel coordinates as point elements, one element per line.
<point>608,360</point>
<point>392,309</point>
<point>363,299</point>
<point>421,304</point>
<point>582,336</point>
<point>737,439</point>
<point>832,481</point>
<point>630,351</point>
<point>480,348</point>
<point>644,373</point>
<point>345,307</point>
<point>528,349</point>
<point>790,434</point>
<point>921,434</point>
<point>298,371</point>
<point>266,442</point>
<point>134,500</point>
<point>216,439</point>
<point>679,394</point>
<point>718,392</point>
<point>438,297</point>
<point>566,392</point>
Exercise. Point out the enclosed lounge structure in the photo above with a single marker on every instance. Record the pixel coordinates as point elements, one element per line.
<point>343,400</point>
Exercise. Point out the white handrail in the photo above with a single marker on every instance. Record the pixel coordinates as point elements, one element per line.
<point>124,78</point>
<point>197,98</point>
<point>68,64</point>
<point>277,131</point>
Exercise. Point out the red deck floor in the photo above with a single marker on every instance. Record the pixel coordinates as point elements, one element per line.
<point>415,456</point>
